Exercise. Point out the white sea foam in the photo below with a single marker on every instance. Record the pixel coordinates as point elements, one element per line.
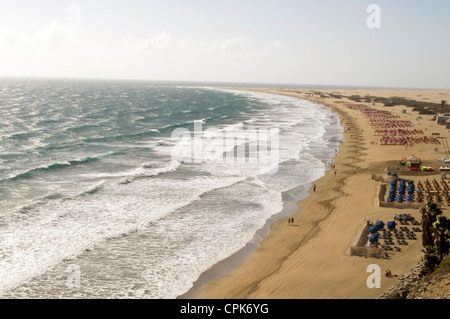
<point>152,237</point>
<point>64,228</point>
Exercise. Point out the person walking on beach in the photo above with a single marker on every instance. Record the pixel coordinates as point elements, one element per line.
<point>289,220</point>
<point>292,220</point>
<point>314,189</point>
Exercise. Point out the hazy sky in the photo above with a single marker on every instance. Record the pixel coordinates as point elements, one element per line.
<point>325,42</point>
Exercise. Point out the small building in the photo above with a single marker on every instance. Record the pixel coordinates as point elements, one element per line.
<point>442,120</point>
<point>414,163</point>
<point>392,171</point>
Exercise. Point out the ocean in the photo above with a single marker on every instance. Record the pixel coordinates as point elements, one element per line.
<point>96,203</point>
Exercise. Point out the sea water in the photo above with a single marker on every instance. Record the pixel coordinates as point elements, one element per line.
<point>94,205</point>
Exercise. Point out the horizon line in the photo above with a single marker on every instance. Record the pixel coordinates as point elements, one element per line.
<point>221,83</point>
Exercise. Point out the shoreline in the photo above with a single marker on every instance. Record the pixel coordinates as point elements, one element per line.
<point>291,204</point>
<point>313,260</point>
<point>236,260</point>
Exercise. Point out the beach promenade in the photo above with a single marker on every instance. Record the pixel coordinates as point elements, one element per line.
<point>312,258</point>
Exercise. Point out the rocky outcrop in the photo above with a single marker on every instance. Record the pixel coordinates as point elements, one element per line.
<point>420,283</point>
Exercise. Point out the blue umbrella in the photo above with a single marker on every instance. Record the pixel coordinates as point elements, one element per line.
<point>373,229</point>
<point>391,225</point>
<point>373,238</point>
<point>379,224</point>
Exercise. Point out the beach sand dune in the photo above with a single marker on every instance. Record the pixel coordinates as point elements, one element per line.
<point>312,259</point>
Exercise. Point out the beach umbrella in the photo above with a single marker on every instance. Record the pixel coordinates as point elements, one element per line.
<point>373,229</point>
<point>391,225</point>
<point>374,238</point>
<point>379,224</point>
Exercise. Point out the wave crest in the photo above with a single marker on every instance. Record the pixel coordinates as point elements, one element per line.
<point>52,167</point>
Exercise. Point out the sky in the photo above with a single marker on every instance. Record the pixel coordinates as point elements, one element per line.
<point>377,43</point>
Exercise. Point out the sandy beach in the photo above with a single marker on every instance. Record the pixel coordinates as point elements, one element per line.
<point>312,258</point>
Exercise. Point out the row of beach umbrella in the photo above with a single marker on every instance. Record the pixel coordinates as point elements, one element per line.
<point>402,189</point>
<point>373,230</point>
